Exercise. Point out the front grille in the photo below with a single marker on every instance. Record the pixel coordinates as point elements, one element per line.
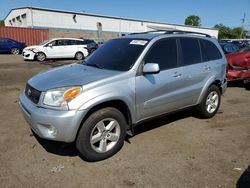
<point>32,93</point>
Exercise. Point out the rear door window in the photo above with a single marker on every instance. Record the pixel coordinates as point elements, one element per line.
<point>80,42</point>
<point>72,42</point>
<point>191,53</point>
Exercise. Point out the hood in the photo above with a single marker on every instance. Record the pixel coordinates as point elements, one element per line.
<point>69,75</point>
<point>31,47</point>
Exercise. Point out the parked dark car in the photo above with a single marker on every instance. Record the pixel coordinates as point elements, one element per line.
<point>91,45</point>
<point>8,45</point>
<point>240,43</point>
<point>245,49</point>
<point>228,47</point>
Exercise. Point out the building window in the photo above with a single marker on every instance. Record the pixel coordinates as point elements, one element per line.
<point>23,16</point>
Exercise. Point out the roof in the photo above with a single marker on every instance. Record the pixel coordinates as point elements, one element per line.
<point>103,16</point>
<point>59,38</point>
<point>151,34</point>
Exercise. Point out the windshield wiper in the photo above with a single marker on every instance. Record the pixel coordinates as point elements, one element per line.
<point>94,65</point>
<point>84,62</point>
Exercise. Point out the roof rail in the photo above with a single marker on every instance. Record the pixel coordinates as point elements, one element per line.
<point>172,32</point>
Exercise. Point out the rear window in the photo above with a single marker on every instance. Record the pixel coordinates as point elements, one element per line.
<point>210,50</point>
<point>190,51</point>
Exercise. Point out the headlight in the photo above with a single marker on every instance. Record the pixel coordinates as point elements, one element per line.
<point>61,96</point>
<point>31,49</point>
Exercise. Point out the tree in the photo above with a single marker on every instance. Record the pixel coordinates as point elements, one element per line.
<point>193,20</point>
<point>238,33</point>
<point>224,31</point>
<point>1,23</point>
<point>230,33</point>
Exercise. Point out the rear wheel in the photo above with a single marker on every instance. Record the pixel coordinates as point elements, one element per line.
<point>210,103</point>
<point>40,56</point>
<point>79,56</point>
<point>102,134</point>
<point>15,51</point>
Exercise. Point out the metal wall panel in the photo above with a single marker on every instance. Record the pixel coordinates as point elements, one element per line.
<point>28,35</point>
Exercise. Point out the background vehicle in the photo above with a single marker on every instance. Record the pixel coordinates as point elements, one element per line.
<point>239,65</point>
<point>228,47</point>
<point>57,48</point>
<point>125,82</point>
<point>240,43</point>
<point>8,45</point>
<point>91,45</point>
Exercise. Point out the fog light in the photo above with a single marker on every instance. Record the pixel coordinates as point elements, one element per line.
<point>52,131</point>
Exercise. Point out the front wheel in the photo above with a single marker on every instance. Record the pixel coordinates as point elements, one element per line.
<point>210,103</point>
<point>40,56</point>
<point>102,134</point>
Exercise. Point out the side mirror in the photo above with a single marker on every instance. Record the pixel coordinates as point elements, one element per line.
<point>50,45</point>
<point>151,68</point>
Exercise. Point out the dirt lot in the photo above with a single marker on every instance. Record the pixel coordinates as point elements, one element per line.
<point>175,151</point>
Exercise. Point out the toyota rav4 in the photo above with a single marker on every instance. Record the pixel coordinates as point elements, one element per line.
<point>126,81</point>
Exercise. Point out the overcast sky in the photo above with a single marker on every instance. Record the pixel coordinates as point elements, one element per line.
<point>211,12</point>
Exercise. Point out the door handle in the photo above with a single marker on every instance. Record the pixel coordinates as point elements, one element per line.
<point>177,75</point>
<point>207,67</point>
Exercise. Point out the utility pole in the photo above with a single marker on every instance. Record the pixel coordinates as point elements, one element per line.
<point>242,26</point>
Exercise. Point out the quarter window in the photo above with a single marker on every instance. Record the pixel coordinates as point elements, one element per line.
<point>211,50</point>
<point>164,53</point>
<point>190,51</point>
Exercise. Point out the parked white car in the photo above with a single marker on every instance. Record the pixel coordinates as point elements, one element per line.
<point>57,48</point>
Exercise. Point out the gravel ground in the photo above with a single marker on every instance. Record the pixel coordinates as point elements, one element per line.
<point>178,150</point>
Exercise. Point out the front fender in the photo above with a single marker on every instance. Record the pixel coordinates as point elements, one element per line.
<point>107,97</point>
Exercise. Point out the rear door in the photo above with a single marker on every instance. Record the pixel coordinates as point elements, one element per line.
<point>81,45</point>
<point>213,58</point>
<point>163,92</point>
<point>70,48</point>
<point>195,70</point>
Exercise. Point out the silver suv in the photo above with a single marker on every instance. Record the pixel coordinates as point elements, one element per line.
<point>126,81</point>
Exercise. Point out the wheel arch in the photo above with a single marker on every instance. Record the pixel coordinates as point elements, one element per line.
<point>118,104</point>
<point>41,52</point>
<point>212,81</point>
<point>80,52</point>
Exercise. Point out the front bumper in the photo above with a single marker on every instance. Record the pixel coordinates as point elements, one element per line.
<point>51,124</point>
<point>29,55</point>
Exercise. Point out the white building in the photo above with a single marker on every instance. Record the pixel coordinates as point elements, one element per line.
<point>35,17</point>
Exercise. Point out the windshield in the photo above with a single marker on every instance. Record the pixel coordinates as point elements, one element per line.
<point>42,43</point>
<point>117,54</point>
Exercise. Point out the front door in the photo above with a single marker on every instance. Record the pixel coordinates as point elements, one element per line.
<point>57,49</point>
<point>162,92</point>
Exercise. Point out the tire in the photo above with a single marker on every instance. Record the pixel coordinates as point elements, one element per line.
<point>107,130</point>
<point>210,103</point>
<point>79,56</point>
<point>92,50</point>
<point>40,56</point>
<point>15,51</point>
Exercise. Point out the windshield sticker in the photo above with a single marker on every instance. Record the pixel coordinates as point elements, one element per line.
<point>138,42</point>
